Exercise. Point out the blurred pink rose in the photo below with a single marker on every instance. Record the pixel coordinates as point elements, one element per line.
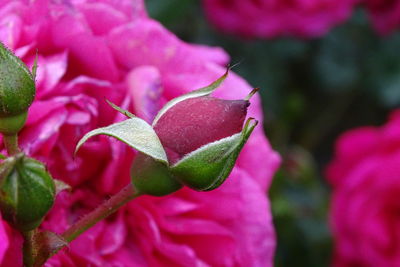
<point>365,208</point>
<point>385,14</point>
<point>92,50</point>
<point>273,18</point>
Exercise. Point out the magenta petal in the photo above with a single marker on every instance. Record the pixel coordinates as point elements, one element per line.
<point>3,241</point>
<point>144,84</point>
<point>101,18</point>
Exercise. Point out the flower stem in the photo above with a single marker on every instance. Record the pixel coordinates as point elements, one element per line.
<point>107,208</point>
<point>28,249</point>
<point>11,144</point>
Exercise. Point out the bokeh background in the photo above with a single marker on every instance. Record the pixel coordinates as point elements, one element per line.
<point>313,90</point>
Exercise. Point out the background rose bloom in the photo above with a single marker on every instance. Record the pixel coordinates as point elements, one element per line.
<point>272,18</point>
<point>385,15</point>
<point>365,175</point>
<point>92,50</point>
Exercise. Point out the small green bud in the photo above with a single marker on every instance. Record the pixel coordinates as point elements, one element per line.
<point>17,91</point>
<point>152,177</point>
<point>27,192</point>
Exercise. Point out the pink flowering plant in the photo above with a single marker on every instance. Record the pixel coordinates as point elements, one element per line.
<point>92,51</point>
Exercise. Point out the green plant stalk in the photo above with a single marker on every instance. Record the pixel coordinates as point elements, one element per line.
<point>107,208</point>
<point>28,248</point>
<point>104,210</point>
<point>11,144</point>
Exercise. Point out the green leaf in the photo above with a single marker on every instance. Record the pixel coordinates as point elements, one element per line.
<point>207,167</point>
<point>196,93</point>
<point>134,132</point>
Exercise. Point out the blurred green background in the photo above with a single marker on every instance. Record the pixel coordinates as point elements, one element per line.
<point>312,91</point>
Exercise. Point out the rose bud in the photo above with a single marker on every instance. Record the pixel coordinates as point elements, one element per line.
<point>195,122</point>
<point>195,141</point>
<point>27,192</point>
<point>17,91</point>
<point>203,136</point>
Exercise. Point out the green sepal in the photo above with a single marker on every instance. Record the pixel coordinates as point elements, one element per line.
<point>152,177</point>
<point>35,66</point>
<point>134,132</point>
<point>27,192</point>
<point>207,167</point>
<point>196,93</point>
<point>46,244</point>
<point>120,110</point>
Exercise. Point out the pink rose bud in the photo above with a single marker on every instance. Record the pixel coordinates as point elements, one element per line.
<point>195,122</point>
<point>203,135</point>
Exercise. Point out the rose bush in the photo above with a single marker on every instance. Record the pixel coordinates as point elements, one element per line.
<point>365,175</point>
<point>91,50</point>
<point>273,18</point>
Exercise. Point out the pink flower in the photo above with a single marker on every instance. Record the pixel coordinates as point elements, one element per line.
<point>385,15</point>
<point>273,18</point>
<point>91,50</point>
<point>365,175</point>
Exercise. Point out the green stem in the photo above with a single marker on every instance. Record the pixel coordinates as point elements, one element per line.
<point>104,210</point>
<point>107,208</point>
<point>28,249</point>
<point>11,144</point>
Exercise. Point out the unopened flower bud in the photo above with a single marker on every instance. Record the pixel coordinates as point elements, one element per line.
<point>17,91</point>
<point>27,192</point>
<point>202,137</point>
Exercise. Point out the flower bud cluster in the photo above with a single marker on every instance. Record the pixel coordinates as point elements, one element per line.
<point>27,190</point>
